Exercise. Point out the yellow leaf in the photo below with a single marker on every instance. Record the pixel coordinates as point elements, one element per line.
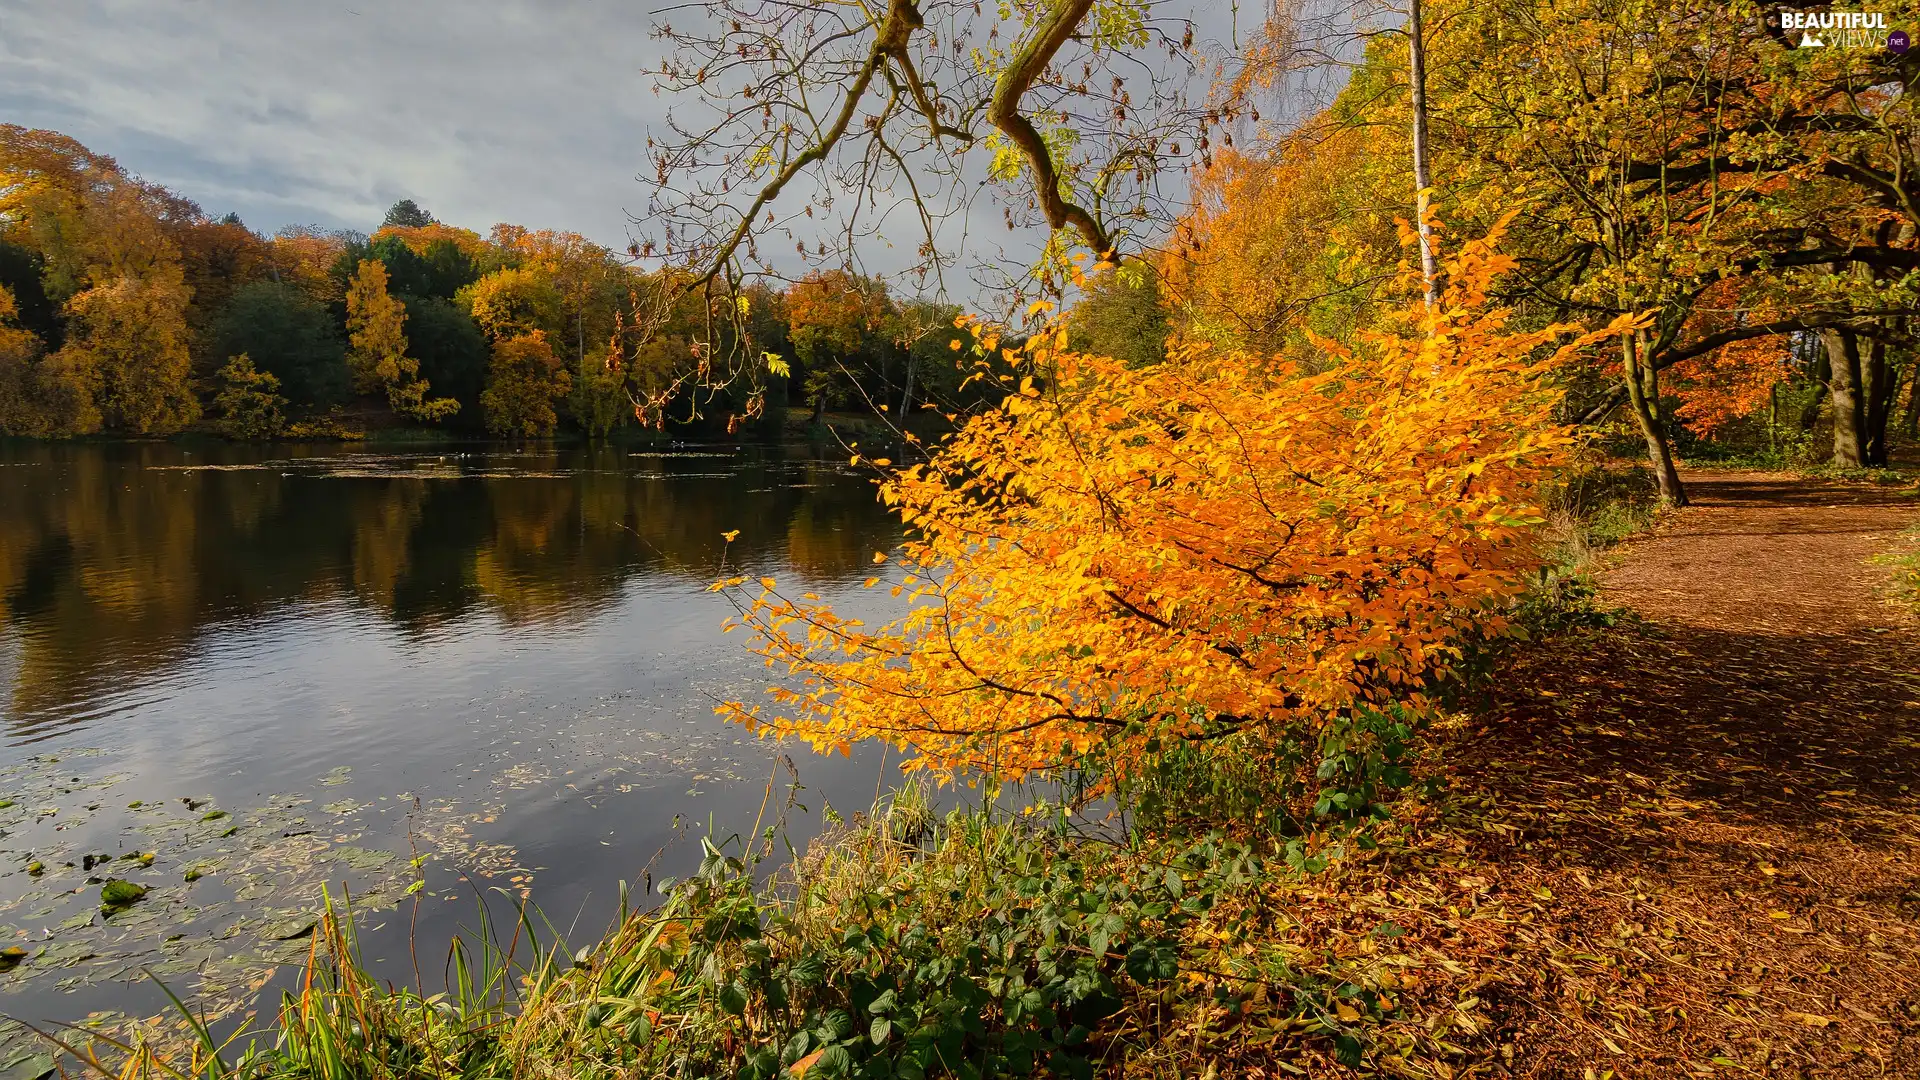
<point>799,1068</point>
<point>730,535</point>
<point>1809,1019</point>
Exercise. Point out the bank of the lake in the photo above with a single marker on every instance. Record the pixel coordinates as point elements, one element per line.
<point>270,667</point>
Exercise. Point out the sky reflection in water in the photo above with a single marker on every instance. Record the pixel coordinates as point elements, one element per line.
<point>308,639</point>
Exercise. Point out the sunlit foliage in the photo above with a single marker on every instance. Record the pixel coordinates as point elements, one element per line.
<point>1216,548</point>
<point>523,383</point>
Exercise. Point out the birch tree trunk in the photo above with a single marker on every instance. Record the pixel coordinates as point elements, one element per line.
<point>1422,178</point>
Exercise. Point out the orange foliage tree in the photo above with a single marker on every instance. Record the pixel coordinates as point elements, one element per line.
<point>1281,247</point>
<point>1213,548</point>
<point>376,323</point>
<point>523,382</point>
<point>1738,379</point>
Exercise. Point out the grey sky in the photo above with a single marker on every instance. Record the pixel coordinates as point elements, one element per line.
<point>301,111</point>
<point>327,111</point>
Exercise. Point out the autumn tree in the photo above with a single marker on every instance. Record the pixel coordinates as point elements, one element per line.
<point>376,324</point>
<point>513,301</point>
<point>1658,159</point>
<point>249,401</point>
<point>523,383</point>
<point>107,256</point>
<point>1213,550</point>
<point>1292,242</point>
<point>129,338</point>
<point>303,256</point>
<point>832,318</point>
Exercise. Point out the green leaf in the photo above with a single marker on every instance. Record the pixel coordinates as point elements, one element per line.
<point>836,1061</point>
<point>1152,963</point>
<point>881,1031</point>
<point>118,893</point>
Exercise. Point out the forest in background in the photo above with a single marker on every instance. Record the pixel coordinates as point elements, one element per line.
<point>126,309</point>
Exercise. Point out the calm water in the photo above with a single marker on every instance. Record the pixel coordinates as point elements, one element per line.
<point>269,669</point>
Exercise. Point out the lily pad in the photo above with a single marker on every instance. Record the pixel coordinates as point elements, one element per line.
<point>117,893</point>
<point>289,929</point>
<point>27,1065</point>
<point>11,956</point>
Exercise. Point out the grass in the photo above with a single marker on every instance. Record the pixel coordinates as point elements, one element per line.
<point>1904,561</point>
<point>901,945</point>
<point>1592,512</point>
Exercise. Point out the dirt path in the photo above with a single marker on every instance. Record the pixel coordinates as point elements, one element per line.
<point>1759,553</point>
<point>1689,844</point>
<point>1742,773</point>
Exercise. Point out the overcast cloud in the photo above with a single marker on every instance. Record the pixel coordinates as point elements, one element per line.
<point>327,111</point>
<point>318,111</point>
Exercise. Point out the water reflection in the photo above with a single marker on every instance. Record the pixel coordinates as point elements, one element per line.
<point>115,560</point>
<point>504,662</point>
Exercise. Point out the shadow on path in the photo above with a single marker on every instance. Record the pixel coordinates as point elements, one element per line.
<point>1709,814</point>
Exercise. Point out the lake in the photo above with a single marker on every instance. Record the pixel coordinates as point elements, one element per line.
<point>235,674</point>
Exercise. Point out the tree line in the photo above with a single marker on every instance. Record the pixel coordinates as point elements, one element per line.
<point>127,309</point>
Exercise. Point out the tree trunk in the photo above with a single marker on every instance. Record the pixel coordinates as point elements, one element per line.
<point>906,395</point>
<point>1877,389</point>
<point>1819,372</point>
<point>1672,492</point>
<point>1422,178</point>
<point>1849,408</point>
<point>1911,424</point>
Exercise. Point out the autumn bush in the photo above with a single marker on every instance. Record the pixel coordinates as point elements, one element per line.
<point>1218,552</point>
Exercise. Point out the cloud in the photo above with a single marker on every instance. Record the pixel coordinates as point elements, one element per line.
<point>296,112</point>
<point>327,111</point>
